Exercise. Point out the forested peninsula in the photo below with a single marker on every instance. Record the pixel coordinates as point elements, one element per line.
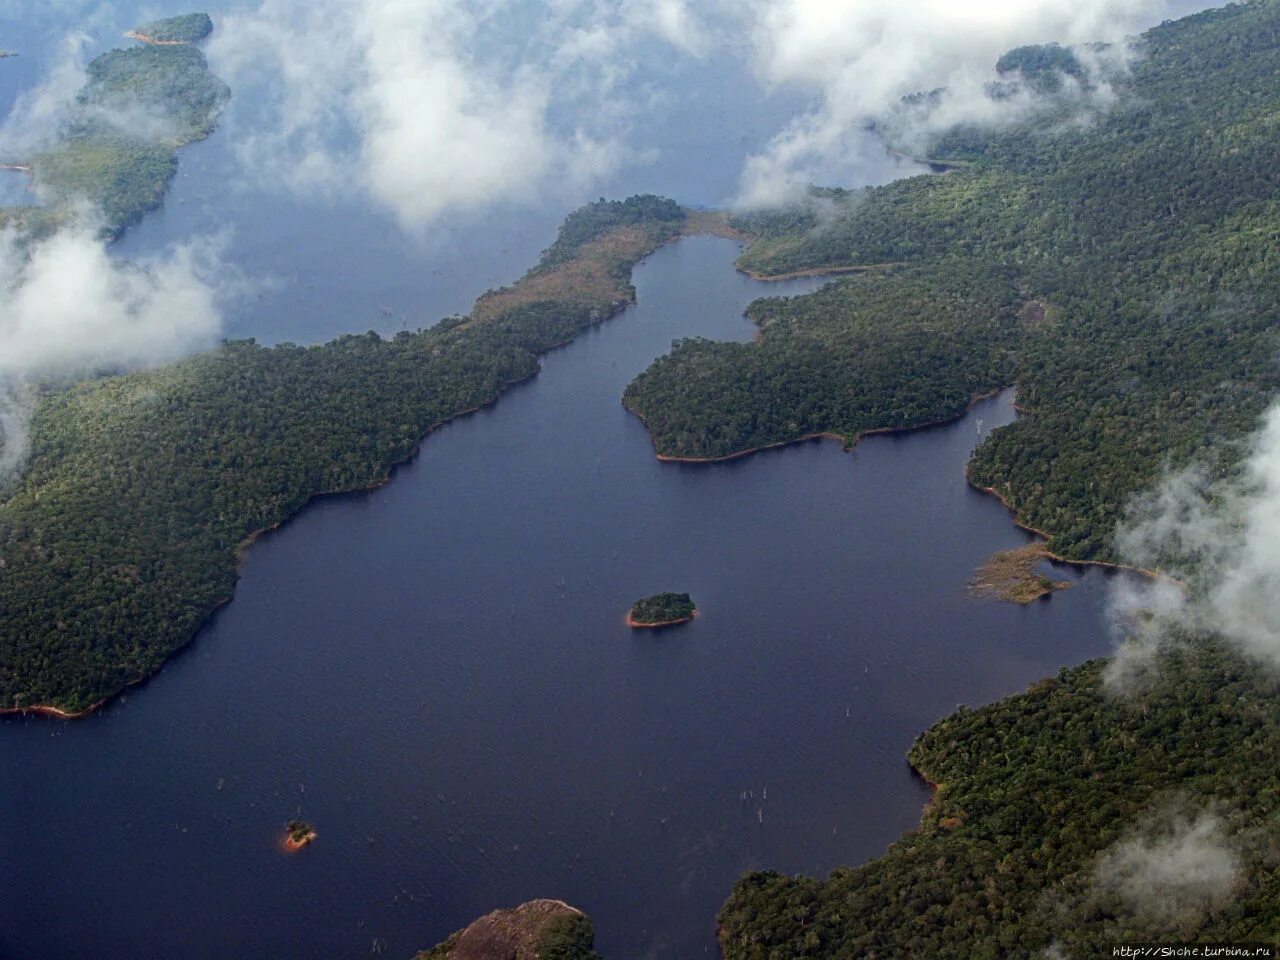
<point>116,153</point>
<point>1117,262</point>
<point>122,535</point>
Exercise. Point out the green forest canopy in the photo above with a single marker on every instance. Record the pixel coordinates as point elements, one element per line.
<point>1040,795</point>
<point>1122,273</point>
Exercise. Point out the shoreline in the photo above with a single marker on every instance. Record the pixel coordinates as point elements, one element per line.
<point>54,712</point>
<point>716,223</point>
<point>991,491</point>
<point>815,272</point>
<point>48,710</point>
<point>638,625</point>
<point>251,538</point>
<point>560,903</point>
<point>935,791</point>
<point>1058,558</point>
<point>825,434</point>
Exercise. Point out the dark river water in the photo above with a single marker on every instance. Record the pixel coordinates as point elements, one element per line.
<point>438,676</point>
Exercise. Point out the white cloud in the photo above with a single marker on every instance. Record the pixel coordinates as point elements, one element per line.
<point>1222,538</point>
<point>435,106</point>
<point>436,132</point>
<point>67,306</point>
<point>68,309</point>
<point>16,404</point>
<point>672,21</point>
<point>37,114</point>
<point>1173,874</point>
<point>862,56</point>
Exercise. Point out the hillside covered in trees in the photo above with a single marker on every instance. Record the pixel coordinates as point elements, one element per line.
<point>121,536</point>
<point>1121,269</point>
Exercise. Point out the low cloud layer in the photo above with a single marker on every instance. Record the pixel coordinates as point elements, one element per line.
<point>862,56</point>
<point>67,306</point>
<point>437,106</point>
<point>1172,875</point>
<point>68,309</point>
<point>434,107</point>
<point>1221,537</point>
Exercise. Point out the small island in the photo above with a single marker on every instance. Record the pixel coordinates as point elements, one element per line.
<point>298,833</point>
<point>662,610</point>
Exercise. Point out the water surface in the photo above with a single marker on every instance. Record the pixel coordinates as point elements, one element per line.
<point>437,674</point>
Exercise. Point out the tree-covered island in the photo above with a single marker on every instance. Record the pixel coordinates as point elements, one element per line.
<point>662,610</point>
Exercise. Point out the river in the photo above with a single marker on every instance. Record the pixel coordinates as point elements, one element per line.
<point>438,676</point>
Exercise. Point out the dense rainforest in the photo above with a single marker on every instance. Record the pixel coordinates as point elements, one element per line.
<point>117,150</point>
<point>1117,260</point>
<point>121,536</point>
